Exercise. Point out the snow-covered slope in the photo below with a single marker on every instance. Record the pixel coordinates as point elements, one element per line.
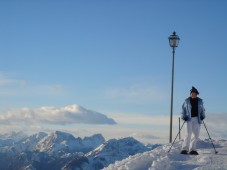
<point>160,159</point>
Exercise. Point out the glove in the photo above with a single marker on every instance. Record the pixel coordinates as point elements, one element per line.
<point>185,118</point>
<point>202,117</point>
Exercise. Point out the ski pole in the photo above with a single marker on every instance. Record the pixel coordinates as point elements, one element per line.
<point>176,136</point>
<point>210,137</point>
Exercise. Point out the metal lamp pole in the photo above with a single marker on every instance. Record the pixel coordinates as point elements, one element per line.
<point>173,42</point>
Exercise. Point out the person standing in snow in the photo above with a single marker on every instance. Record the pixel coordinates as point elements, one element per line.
<point>193,113</point>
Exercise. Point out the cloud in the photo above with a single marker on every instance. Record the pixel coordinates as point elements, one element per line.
<point>71,114</point>
<point>142,119</point>
<point>145,136</point>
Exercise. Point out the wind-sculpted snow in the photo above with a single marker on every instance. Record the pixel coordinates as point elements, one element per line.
<point>160,159</point>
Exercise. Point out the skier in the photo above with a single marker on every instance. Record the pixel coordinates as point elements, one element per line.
<point>193,113</point>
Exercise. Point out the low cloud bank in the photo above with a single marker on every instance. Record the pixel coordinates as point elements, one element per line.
<point>52,115</point>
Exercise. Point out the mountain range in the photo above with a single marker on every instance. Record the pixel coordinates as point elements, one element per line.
<point>62,151</point>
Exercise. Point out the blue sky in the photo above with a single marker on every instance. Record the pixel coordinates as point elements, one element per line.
<point>112,57</point>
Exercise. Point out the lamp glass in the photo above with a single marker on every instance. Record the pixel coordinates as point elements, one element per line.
<point>174,40</point>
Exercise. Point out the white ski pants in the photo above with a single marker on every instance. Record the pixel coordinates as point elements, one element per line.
<point>192,130</point>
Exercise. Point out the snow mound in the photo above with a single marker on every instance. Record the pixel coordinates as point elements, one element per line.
<point>160,158</point>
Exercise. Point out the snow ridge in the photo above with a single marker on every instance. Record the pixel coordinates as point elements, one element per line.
<point>159,158</point>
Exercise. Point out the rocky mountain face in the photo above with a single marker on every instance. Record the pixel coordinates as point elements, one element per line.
<point>62,151</point>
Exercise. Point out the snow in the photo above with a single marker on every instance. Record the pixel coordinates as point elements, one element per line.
<point>161,159</point>
<point>64,151</point>
<point>112,150</point>
<point>61,141</point>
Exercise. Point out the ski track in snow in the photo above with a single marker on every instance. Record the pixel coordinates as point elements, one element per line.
<point>160,159</point>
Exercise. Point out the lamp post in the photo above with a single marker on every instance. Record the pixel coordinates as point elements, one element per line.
<point>173,42</point>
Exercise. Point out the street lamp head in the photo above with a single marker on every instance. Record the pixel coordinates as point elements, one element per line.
<point>174,40</point>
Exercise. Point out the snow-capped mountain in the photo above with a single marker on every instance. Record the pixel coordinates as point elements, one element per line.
<point>15,136</point>
<point>8,140</point>
<point>60,150</point>
<point>26,144</point>
<point>93,141</point>
<point>109,152</point>
<point>114,150</point>
<point>161,159</point>
<point>33,139</point>
<point>58,142</point>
